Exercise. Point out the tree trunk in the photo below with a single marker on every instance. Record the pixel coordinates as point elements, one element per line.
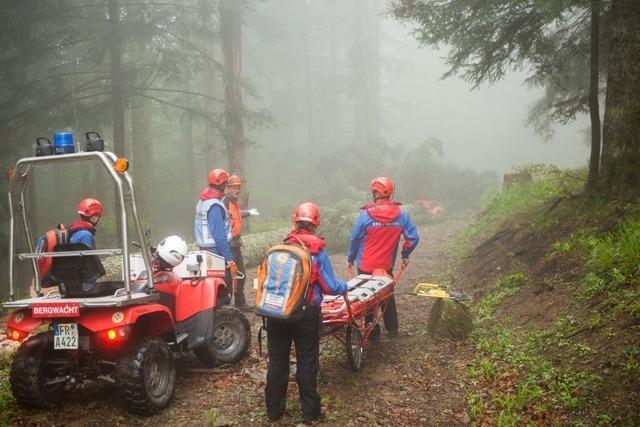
<point>334,102</point>
<point>359,58</point>
<point>373,109</point>
<point>143,159</point>
<point>209,78</point>
<point>116,78</point>
<point>306,28</point>
<point>230,34</point>
<point>621,153</point>
<point>187,138</point>
<point>594,107</point>
<point>367,70</point>
<point>210,129</point>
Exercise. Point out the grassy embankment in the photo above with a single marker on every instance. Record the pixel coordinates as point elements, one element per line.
<point>557,286</point>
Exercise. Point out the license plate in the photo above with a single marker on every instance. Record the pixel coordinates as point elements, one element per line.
<point>65,336</point>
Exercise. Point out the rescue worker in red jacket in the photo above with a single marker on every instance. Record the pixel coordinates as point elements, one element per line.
<point>305,333</point>
<point>375,239</point>
<point>234,185</point>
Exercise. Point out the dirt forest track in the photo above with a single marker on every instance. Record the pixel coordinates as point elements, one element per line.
<point>413,379</point>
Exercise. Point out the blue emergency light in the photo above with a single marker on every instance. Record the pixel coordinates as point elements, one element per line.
<point>63,143</point>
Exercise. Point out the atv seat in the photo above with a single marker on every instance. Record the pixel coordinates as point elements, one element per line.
<point>103,289</point>
<point>70,272</point>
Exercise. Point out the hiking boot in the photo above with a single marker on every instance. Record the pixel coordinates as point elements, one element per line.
<point>309,420</point>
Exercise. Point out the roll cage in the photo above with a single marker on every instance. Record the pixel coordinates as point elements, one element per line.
<point>22,178</point>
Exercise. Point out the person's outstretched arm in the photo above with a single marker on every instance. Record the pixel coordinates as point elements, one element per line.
<point>411,238</point>
<point>328,282</point>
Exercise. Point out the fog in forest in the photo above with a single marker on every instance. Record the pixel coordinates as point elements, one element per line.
<point>327,94</point>
<point>483,128</point>
<point>301,63</point>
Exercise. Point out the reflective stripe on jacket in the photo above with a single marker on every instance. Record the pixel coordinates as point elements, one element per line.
<point>205,227</point>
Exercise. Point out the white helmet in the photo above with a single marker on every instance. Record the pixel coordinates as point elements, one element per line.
<point>172,250</point>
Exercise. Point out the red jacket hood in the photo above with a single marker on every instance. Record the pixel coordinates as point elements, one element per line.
<point>211,193</point>
<point>314,243</point>
<point>83,225</point>
<point>383,210</point>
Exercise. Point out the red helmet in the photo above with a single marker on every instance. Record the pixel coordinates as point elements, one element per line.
<point>307,212</point>
<point>383,186</point>
<point>218,177</point>
<point>234,181</point>
<point>90,207</point>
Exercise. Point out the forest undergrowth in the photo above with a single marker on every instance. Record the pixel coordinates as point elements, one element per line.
<point>557,306</point>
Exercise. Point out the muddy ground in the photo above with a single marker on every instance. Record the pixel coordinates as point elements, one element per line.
<point>413,379</point>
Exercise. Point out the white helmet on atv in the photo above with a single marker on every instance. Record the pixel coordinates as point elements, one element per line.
<point>172,250</point>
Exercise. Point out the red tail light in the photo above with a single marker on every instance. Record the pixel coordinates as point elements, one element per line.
<point>112,337</point>
<point>16,334</point>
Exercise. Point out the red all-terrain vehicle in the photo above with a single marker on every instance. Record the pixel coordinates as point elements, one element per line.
<point>125,331</point>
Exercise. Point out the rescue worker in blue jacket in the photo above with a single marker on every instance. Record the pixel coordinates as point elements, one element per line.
<point>212,228</point>
<point>84,230</point>
<point>375,239</point>
<point>305,333</point>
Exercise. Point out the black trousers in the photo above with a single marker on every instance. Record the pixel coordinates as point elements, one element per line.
<point>390,316</point>
<point>236,251</point>
<point>306,336</point>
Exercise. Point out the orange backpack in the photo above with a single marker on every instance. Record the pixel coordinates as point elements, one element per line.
<point>284,276</point>
<point>46,243</point>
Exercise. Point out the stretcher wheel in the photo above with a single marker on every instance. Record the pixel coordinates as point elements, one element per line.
<point>355,350</point>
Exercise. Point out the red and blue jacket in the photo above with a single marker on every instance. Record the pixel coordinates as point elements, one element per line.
<point>83,232</point>
<point>323,280</point>
<point>376,235</point>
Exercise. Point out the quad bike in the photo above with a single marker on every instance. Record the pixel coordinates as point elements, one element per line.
<point>125,332</point>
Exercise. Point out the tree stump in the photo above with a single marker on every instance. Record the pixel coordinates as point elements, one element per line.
<point>449,319</point>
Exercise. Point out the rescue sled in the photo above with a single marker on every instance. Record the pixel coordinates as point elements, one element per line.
<point>368,294</point>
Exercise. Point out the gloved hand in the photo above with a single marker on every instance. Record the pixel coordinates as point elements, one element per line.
<point>233,267</point>
<point>254,212</point>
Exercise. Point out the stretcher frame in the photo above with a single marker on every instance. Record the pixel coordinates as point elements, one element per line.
<point>345,320</point>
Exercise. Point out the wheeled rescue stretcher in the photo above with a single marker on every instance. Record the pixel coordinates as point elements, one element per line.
<point>367,295</point>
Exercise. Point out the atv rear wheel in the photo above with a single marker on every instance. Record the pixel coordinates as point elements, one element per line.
<point>146,377</point>
<point>39,374</point>
<point>230,338</point>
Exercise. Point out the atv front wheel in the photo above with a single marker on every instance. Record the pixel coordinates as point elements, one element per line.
<point>39,374</point>
<point>146,377</point>
<point>230,338</point>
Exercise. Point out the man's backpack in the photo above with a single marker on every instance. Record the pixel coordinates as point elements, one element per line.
<point>283,282</point>
<point>46,243</point>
